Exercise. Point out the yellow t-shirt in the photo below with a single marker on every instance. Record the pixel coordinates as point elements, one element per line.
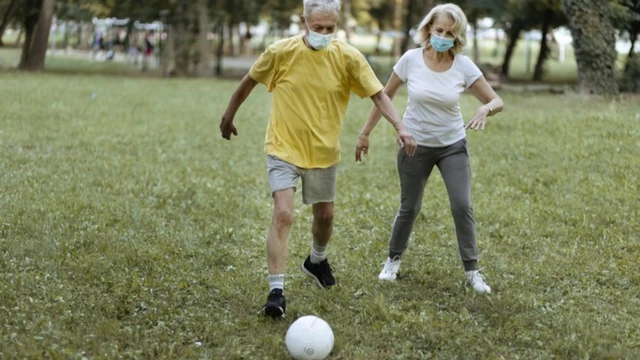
<point>311,92</point>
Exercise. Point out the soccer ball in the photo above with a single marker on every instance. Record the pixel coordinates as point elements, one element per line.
<point>309,338</point>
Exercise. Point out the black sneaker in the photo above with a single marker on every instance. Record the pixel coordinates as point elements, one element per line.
<point>276,304</point>
<point>321,272</point>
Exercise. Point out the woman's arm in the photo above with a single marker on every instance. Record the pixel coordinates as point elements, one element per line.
<point>491,103</point>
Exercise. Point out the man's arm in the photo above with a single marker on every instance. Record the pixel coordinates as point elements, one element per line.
<point>374,115</point>
<point>239,96</point>
<point>384,106</point>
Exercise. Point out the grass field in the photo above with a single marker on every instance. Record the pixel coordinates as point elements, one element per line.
<point>130,229</point>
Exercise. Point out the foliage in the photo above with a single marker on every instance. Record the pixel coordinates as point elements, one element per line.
<point>378,11</point>
<point>630,79</point>
<point>130,229</point>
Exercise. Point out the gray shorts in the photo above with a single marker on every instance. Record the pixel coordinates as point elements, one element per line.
<point>318,185</point>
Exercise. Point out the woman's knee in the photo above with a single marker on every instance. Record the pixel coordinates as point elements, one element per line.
<point>461,208</point>
<point>410,210</point>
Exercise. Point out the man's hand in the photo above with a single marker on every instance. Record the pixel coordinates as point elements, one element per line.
<point>362,147</point>
<point>407,142</point>
<point>227,128</point>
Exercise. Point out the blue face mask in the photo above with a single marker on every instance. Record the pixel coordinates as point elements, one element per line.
<point>318,41</point>
<point>440,43</point>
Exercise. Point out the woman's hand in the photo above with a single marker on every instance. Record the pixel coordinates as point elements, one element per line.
<point>479,120</point>
<point>407,142</point>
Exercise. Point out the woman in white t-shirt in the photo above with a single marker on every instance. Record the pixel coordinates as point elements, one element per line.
<point>436,74</point>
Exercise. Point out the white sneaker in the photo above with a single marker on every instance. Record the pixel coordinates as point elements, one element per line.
<point>476,280</point>
<point>390,269</point>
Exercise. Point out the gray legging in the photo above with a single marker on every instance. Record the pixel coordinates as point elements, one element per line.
<point>414,171</point>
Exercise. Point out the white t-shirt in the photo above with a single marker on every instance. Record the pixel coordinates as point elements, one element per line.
<point>433,114</point>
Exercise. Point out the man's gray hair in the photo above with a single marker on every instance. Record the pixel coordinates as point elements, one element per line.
<point>322,5</point>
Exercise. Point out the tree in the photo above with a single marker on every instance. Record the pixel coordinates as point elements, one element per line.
<point>518,16</point>
<point>633,27</point>
<point>630,79</point>
<point>594,42</point>
<point>346,17</point>
<point>397,27</point>
<point>34,61</point>
<point>7,17</point>
<point>182,38</point>
<point>408,23</point>
<point>32,11</point>
<point>35,48</point>
<point>205,61</point>
<point>382,13</point>
<point>478,9</point>
<point>552,16</point>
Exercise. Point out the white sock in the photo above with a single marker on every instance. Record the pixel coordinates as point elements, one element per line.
<point>276,281</point>
<point>318,253</point>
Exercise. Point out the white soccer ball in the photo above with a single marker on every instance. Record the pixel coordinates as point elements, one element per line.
<point>309,338</point>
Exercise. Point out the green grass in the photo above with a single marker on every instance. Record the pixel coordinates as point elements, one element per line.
<point>130,229</point>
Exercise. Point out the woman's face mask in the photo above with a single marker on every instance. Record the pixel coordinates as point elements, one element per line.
<point>441,44</point>
<point>317,40</point>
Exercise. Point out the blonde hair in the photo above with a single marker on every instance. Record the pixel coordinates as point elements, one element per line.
<point>453,11</point>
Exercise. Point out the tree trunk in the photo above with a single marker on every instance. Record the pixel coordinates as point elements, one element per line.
<point>378,40</point>
<point>496,50</point>
<point>594,43</point>
<point>247,50</point>
<point>407,25</point>
<point>181,40</point>
<point>346,13</point>
<point>8,15</point>
<point>544,46</point>
<point>220,47</point>
<point>430,4</point>
<point>85,36</point>
<point>232,49</point>
<point>127,38</point>
<point>632,50</point>
<point>513,36</point>
<point>397,27</point>
<point>30,22</point>
<point>205,65</point>
<point>19,37</point>
<point>476,47</point>
<point>65,36</point>
<point>37,54</point>
<point>168,55</point>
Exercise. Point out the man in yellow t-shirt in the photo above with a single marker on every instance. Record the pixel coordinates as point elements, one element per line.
<point>311,77</point>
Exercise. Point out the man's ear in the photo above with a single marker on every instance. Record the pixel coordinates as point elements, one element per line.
<point>303,20</point>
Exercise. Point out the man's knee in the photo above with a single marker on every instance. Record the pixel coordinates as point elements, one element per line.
<point>283,217</point>
<point>323,215</point>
